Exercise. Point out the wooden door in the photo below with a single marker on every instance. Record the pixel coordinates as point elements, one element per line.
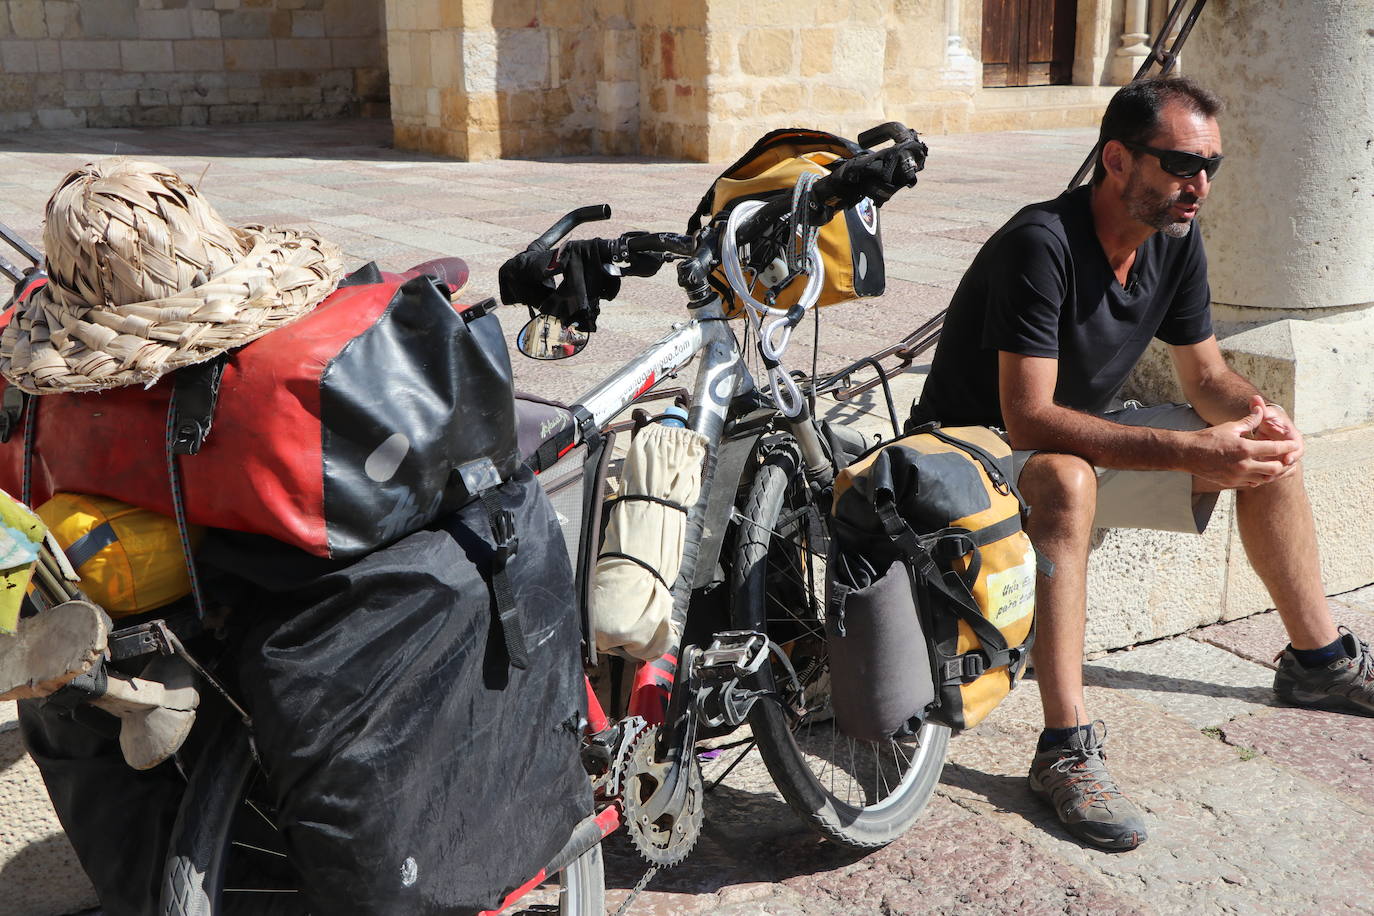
<point>1028,42</point>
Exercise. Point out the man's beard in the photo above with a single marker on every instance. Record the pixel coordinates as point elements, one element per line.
<point>1152,208</point>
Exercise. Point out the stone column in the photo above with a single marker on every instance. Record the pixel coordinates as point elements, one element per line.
<point>1287,227</point>
<point>1135,41</point>
<point>1288,222</point>
<point>961,70</point>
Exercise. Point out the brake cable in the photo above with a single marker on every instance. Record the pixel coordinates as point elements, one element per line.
<point>774,336</point>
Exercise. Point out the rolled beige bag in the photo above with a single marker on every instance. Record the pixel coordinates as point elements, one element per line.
<point>631,603</point>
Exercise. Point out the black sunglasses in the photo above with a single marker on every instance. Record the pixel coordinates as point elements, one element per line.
<point>1178,163</point>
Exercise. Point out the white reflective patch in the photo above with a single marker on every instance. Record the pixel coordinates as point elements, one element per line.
<point>868,215</point>
<point>863,264</point>
<point>381,465</point>
<point>410,872</point>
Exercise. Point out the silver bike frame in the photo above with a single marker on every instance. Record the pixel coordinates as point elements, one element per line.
<point>721,377</point>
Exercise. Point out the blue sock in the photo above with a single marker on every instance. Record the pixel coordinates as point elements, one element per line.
<point>1053,737</point>
<point>1319,658</point>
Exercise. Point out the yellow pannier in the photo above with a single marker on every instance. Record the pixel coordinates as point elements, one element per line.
<point>928,543</point>
<point>851,244</point>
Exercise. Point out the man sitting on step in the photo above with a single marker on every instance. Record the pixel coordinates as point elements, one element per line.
<point>1042,332</point>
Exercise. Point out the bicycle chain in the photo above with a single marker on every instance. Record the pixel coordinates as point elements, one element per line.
<point>639,887</point>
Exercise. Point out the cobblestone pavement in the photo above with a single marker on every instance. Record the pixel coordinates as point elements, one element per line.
<point>1252,808</point>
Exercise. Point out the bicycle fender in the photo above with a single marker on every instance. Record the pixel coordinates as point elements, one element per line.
<point>731,461</point>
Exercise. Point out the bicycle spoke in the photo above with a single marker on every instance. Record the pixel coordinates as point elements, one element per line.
<point>264,851</point>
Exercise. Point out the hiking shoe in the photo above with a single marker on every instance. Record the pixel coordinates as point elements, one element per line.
<point>1345,685</point>
<point>1072,778</point>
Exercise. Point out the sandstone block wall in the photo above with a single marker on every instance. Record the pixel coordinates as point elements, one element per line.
<point>116,63</point>
<point>700,79</point>
<point>478,79</point>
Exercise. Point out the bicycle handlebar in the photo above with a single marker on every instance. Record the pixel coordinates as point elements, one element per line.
<point>876,175</point>
<point>570,221</point>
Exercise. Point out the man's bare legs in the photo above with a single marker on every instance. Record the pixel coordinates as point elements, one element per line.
<point>1280,538</point>
<point>1062,489</point>
<point>1069,770</point>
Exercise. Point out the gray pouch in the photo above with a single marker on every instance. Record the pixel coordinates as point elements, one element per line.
<point>880,674</point>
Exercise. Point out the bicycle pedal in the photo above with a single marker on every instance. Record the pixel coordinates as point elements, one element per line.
<point>733,653</point>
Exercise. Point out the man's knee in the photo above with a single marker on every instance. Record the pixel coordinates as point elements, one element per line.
<point>1059,484</point>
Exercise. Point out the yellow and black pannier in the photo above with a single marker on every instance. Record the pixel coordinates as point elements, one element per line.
<point>931,583</point>
<point>851,244</point>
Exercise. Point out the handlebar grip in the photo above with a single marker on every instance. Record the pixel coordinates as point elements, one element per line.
<point>567,224</point>
<point>895,131</point>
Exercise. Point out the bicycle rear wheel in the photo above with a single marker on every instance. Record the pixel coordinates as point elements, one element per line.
<point>226,856</point>
<point>859,794</point>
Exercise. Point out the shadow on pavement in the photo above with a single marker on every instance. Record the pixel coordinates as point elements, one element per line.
<point>1099,676</point>
<point>747,837</point>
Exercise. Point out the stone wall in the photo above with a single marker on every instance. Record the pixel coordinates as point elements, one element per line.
<point>115,63</point>
<point>478,79</point>
<point>702,79</point>
<point>679,78</point>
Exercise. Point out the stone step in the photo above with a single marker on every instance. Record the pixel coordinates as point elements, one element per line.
<point>1038,107</point>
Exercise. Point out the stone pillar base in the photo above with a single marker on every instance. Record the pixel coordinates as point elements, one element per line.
<point>1319,370</point>
<point>1145,585</point>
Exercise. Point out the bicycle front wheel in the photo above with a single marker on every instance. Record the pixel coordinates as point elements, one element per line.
<point>226,856</point>
<point>860,794</point>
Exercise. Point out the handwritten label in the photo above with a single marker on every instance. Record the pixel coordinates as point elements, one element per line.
<point>1011,592</point>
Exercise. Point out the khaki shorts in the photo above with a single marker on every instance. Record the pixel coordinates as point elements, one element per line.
<point>1147,499</point>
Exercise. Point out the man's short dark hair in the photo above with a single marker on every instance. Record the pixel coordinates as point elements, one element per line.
<point>1133,113</point>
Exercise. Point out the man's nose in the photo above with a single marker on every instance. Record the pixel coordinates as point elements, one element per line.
<point>1199,184</point>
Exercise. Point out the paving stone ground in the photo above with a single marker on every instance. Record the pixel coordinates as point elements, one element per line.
<point>1252,808</point>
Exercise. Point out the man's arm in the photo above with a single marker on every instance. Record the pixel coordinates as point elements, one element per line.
<point>1218,393</point>
<point>1223,453</point>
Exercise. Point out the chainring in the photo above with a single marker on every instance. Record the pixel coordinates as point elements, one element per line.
<point>669,839</point>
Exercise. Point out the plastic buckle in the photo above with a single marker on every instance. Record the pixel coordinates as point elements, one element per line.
<point>507,543</point>
<point>966,668</point>
<point>11,410</point>
<point>143,639</point>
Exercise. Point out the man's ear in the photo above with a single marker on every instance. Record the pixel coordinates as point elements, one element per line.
<point>1116,158</point>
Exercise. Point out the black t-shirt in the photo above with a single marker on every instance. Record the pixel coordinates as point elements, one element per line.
<point>1042,286</point>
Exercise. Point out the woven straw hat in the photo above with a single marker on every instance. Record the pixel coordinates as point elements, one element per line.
<point>145,277</point>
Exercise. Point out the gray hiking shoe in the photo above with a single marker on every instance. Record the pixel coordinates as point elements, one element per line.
<point>1345,685</point>
<point>1072,778</point>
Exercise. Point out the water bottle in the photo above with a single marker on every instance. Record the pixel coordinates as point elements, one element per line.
<point>674,415</point>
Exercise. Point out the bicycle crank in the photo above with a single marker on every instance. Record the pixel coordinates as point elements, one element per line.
<point>663,810</point>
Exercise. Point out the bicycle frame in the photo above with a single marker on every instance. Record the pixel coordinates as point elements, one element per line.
<point>721,378</point>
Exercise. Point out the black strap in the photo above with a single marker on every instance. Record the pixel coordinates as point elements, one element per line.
<point>30,435</point>
<point>961,601</point>
<point>90,544</point>
<point>195,392</point>
<point>616,555</point>
<point>731,458</point>
<point>178,504</point>
<point>502,523</point>
<point>586,426</point>
<point>646,498</point>
<point>92,685</point>
<point>550,450</point>
<point>834,608</point>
